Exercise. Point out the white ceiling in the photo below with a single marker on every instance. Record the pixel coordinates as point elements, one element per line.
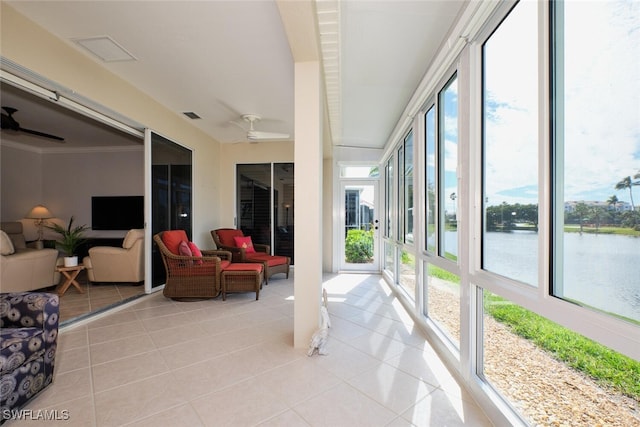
<point>222,59</point>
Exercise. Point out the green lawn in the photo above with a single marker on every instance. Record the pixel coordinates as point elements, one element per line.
<point>607,367</point>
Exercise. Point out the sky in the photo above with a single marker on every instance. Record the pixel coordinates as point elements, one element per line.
<point>601,102</point>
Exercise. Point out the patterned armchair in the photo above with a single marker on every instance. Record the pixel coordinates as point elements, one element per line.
<point>227,239</point>
<point>29,332</point>
<point>188,276</point>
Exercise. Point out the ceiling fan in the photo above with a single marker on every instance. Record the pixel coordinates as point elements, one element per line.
<point>8,122</point>
<point>254,135</point>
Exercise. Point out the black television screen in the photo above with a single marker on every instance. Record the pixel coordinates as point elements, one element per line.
<point>117,212</point>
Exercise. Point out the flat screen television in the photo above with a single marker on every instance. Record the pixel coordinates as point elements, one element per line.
<point>117,212</point>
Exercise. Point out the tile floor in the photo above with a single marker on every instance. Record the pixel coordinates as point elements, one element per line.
<point>212,363</point>
<point>74,304</point>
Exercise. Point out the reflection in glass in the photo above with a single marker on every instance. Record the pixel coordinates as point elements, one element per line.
<point>389,262</point>
<point>510,118</point>
<point>266,205</point>
<point>597,143</point>
<point>388,199</point>
<point>448,151</point>
<point>408,273</point>
<point>171,195</point>
<point>408,188</point>
<point>443,301</point>
<point>430,178</point>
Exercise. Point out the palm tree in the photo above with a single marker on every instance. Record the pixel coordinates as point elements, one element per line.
<point>627,183</point>
<point>613,200</point>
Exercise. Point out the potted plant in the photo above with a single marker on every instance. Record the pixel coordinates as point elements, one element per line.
<point>71,238</point>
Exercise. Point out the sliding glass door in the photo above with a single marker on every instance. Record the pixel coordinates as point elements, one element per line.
<point>264,205</point>
<point>170,203</point>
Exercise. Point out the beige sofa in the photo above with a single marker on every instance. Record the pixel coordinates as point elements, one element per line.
<point>23,268</point>
<point>111,264</point>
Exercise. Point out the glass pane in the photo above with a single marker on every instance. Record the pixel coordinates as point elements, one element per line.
<point>389,263</point>
<point>283,184</point>
<point>408,188</point>
<point>359,172</point>
<point>443,301</point>
<point>254,201</point>
<point>401,194</point>
<point>171,194</point>
<point>359,228</point>
<point>448,143</point>
<point>565,378</point>
<point>597,150</point>
<point>510,115</point>
<point>430,177</point>
<point>388,203</point>
<point>408,273</point>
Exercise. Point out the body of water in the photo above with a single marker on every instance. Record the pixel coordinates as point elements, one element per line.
<point>599,270</point>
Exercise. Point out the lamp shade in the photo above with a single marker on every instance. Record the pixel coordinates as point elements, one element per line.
<point>39,212</point>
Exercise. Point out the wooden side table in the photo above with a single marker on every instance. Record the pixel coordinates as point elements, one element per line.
<point>70,273</point>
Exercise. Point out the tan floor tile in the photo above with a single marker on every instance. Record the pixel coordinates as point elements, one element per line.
<point>137,400</point>
<point>171,336</point>
<point>114,332</point>
<point>440,408</point>
<point>69,360</point>
<point>286,419</point>
<point>343,406</point>
<point>244,404</point>
<point>391,387</point>
<point>181,416</point>
<point>123,371</point>
<point>122,348</point>
<point>296,382</point>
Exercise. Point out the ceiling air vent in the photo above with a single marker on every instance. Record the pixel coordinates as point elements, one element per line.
<point>191,115</point>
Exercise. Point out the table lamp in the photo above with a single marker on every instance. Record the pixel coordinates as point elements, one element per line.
<point>39,213</point>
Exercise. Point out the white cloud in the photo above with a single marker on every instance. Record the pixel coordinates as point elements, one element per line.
<point>602,100</point>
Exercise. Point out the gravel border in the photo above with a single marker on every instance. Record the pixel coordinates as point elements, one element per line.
<point>544,390</point>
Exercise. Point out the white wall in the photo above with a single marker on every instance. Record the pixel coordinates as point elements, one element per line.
<point>20,182</point>
<point>64,182</point>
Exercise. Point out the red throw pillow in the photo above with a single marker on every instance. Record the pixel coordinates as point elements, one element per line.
<point>246,243</point>
<point>183,249</point>
<point>196,252</point>
<point>172,239</point>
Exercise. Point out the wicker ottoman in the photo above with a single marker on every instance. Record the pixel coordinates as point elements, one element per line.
<point>242,277</point>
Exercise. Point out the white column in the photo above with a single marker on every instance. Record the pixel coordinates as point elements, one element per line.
<point>308,201</point>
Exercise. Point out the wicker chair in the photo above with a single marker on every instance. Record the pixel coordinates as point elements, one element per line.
<point>192,277</point>
<point>273,264</point>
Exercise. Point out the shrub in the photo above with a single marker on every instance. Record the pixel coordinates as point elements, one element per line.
<point>358,246</point>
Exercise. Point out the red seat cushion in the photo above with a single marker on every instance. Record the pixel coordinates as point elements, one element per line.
<point>173,238</point>
<point>226,236</point>
<point>224,264</point>
<point>241,266</point>
<point>271,260</point>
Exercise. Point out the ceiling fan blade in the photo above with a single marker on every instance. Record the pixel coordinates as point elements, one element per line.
<point>259,135</point>
<point>45,135</point>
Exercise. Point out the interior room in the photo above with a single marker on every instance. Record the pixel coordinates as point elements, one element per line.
<point>460,245</point>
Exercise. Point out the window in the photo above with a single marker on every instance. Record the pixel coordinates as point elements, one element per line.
<point>596,101</point>
<point>408,188</point>
<point>448,174</point>
<point>510,143</point>
<point>388,198</point>
<point>430,178</point>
